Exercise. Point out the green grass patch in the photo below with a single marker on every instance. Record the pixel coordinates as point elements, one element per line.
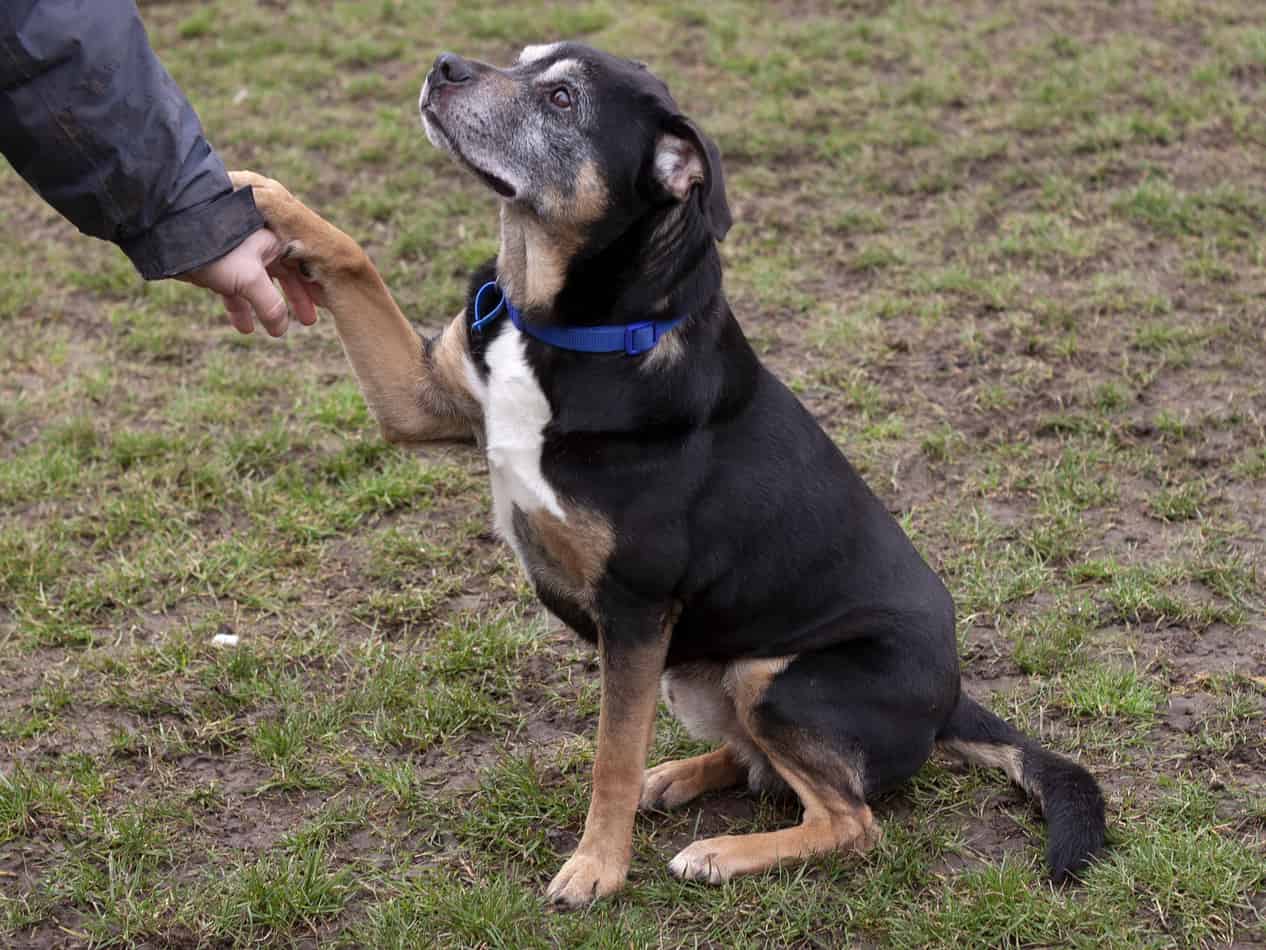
<point>1107,691</point>
<point>268,897</point>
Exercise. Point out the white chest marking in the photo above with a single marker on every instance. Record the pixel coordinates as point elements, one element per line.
<point>515,415</point>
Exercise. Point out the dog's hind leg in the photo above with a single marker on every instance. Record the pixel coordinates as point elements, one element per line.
<point>697,694</point>
<point>671,784</point>
<point>835,725</point>
<point>832,821</point>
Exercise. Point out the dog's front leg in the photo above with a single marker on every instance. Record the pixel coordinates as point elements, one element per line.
<point>417,390</point>
<point>631,659</point>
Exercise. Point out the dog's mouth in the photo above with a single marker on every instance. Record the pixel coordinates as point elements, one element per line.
<point>499,185</point>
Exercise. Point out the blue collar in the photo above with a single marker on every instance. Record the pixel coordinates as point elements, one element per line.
<point>629,338</point>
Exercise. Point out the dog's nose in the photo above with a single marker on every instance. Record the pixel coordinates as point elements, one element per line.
<point>451,69</point>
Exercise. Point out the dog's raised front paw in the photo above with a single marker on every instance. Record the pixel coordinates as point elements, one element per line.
<point>316,248</point>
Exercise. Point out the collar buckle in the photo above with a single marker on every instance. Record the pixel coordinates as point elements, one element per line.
<point>640,337</point>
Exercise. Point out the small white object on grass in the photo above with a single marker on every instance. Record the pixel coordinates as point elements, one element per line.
<point>225,640</point>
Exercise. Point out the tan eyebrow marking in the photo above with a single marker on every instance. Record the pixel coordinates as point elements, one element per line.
<point>559,70</point>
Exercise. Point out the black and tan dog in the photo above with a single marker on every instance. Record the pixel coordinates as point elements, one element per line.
<point>670,499</point>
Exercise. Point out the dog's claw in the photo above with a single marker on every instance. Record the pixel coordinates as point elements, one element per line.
<point>700,862</point>
<point>667,786</point>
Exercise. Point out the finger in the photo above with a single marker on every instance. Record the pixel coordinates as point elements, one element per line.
<point>239,314</point>
<point>267,302</point>
<point>269,246</point>
<point>299,295</point>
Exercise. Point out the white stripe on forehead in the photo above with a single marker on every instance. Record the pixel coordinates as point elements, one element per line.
<point>559,70</point>
<point>531,54</point>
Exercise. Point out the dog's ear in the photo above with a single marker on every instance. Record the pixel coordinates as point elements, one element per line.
<point>685,158</point>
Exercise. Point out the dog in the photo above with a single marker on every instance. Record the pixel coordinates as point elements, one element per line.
<point>671,501</point>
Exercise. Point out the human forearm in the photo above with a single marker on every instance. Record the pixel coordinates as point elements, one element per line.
<point>89,116</point>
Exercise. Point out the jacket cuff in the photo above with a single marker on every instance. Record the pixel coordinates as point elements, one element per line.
<point>196,236</point>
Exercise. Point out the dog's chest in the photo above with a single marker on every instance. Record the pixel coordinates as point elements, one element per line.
<point>516,413</point>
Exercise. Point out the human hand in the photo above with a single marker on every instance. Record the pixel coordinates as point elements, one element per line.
<point>243,277</point>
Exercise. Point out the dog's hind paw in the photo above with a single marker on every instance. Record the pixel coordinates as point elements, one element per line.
<point>702,861</point>
<point>671,784</point>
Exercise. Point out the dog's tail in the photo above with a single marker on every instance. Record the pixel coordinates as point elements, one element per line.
<point>1069,797</point>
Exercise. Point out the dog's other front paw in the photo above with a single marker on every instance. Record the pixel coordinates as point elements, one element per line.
<point>585,878</point>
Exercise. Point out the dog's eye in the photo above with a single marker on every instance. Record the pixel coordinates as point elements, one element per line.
<point>560,98</point>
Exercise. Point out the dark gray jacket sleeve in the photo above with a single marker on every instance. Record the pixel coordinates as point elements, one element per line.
<point>91,119</point>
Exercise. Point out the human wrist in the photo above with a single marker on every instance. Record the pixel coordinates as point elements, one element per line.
<point>194,237</point>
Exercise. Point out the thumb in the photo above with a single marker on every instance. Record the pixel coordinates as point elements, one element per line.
<point>266,300</point>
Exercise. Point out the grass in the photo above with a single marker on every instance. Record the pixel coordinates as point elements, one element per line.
<point>1102,692</point>
<point>1014,267</point>
<point>279,893</point>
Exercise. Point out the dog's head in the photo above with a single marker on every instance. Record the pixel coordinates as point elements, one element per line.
<point>581,142</point>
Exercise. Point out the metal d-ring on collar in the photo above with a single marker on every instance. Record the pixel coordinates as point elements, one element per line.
<point>628,338</point>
